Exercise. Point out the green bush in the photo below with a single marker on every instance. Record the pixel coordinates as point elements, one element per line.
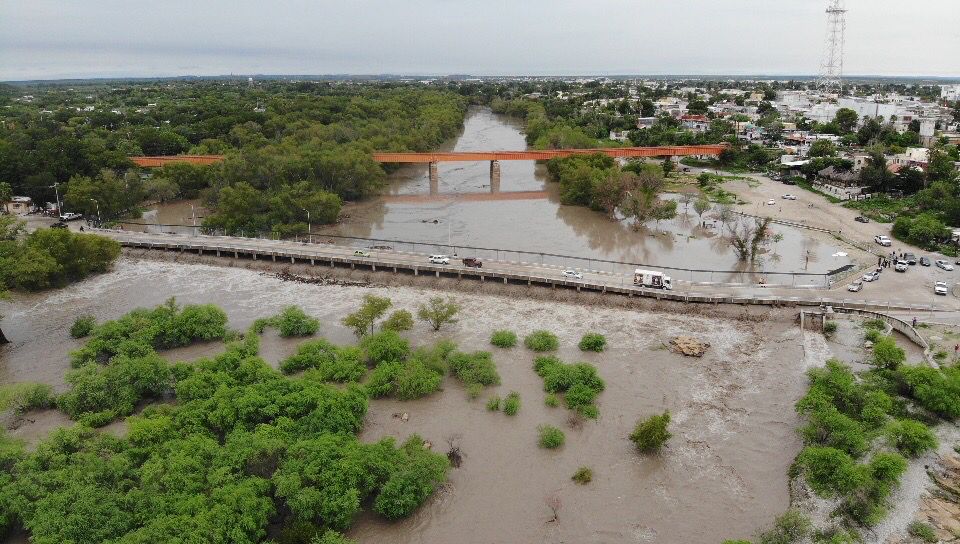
<point>593,342</point>
<point>474,368</point>
<point>385,347</point>
<point>419,471</point>
<point>828,427</point>
<point>551,400</point>
<point>651,434</point>
<point>25,396</point>
<point>399,321</point>
<point>435,357</point>
<point>829,471</point>
<point>922,531</point>
<point>504,339</point>
<point>474,390</point>
<point>310,354</point>
<point>550,437</point>
<point>292,321</point>
<point>582,476</point>
<point>541,341</point>
<point>99,395</point>
<point>790,528</point>
<point>83,326</point>
<point>511,404</point>
<point>437,312</point>
<point>910,437</point>
<point>829,328</point>
<point>875,324</point>
<point>580,382</point>
<point>937,390</point>
<point>415,380</point>
<point>493,403</point>
<point>886,353</point>
<point>872,335</point>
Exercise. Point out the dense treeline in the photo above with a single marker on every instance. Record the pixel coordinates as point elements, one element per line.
<point>291,148</point>
<point>244,455</point>
<point>49,258</point>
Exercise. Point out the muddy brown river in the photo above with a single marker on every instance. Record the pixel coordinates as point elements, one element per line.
<point>524,213</point>
<point>723,474</point>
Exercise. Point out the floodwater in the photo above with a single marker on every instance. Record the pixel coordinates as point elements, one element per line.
<point>524,213</point>
<point>723,474</point>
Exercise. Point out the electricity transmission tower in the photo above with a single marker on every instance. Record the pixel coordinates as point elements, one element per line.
<point>831,70</point>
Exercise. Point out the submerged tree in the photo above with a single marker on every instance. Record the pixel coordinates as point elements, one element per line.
<point>749,237</point>
<point>363,320</point>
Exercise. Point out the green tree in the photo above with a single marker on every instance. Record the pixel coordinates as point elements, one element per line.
<point>846,119</point>
<point>823,148</point>
<point>364,319</point>
<point>438,312</point>
<point>668,166</point>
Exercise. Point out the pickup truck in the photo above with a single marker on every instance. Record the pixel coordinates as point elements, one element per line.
<point>472,262</point>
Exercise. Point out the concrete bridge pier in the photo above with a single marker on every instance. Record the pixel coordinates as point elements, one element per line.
<point>434,179</point>
<point>494,176</point>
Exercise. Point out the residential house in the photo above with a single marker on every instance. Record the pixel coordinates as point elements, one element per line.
<point>695,123</point>
<point>646,122</point>
<point>18,205</point>
<point>620,136</point>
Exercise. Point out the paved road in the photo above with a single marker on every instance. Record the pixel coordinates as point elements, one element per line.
<point>387,257</point>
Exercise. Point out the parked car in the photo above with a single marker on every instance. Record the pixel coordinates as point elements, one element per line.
<point>883,240</point>
<point>361,253</point>
<point>788,181</point>
<point>940,288</point>
<point>771,202</point>
<point>901,266</point>
<point>855,286</point>
<point>861,219</point>
<point>788,196</point>
<point>571,273</point>
<point>439,259</point>
<point>924,261</point>
<point>871,276</point>
<point>472,262</point>
<point>944,265</point>
<point>910,258</point>
<point>70,216</point>
<point>58,225</point>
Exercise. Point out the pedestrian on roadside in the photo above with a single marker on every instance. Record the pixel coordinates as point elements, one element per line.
<point>914,321</point>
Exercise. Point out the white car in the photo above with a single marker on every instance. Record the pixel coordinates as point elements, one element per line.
<point>945,265</point>
<point>901,266</point>
<point>789,197</point>
<point>439,259</point>
<point>855,286</point>
<point>940,288</point>
<point>871,276</point>
<point>771,202</point>
<point>571,273</point>
<point>883,240</point>
<point>361,253</point>
<point>70,216</point>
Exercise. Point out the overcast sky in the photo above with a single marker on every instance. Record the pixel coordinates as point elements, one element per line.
<point>47,39</point>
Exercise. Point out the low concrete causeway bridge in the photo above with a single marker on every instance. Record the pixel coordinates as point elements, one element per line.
<point>287,251</point>
<point>432,159</point>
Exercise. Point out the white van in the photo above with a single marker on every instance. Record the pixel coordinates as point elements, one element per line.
<point>654,280</point>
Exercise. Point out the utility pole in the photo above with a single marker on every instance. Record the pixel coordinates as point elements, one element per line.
<point>831,69</point>
<point>99,220</point>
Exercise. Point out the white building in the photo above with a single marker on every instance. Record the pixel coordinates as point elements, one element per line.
<point>950,92</point>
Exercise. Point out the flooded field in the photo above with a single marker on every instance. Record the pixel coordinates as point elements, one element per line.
<point>723,475</point>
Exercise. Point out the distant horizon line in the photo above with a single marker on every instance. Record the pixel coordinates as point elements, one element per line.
<point>463,76</point>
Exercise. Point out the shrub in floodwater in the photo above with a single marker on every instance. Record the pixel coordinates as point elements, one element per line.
<point>910,437</point>
<point>437,312</point>
<point>385,347</point>
<point>593,342</point>
<point>541,341</point>
<point>872,335</point>
<point>922,531</point>
<point>829,328</point>
<point>511,404</point>
<point>293,321</point>
<point>651,434</point>
<point>829,427</point>
<point>415,380</point>
<point>83,326</point>
<point>493,403</point>
<point>580,382</point>
<point>399,321</point>
<point>474,368</point>
<point>551,400</point>
<point>503,338</point>
<point>937,390</point>
<point>474,390</point>
<point>550,437</point>
<point>875,324</point>
<point>311,354</point>
<point>25,396</point>
<point>582,476</point>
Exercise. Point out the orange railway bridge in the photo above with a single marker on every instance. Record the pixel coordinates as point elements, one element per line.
<point>432,159</point>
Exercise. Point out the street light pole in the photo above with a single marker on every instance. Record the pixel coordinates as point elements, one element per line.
<point>309,225</point>
<point>56,191</point>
